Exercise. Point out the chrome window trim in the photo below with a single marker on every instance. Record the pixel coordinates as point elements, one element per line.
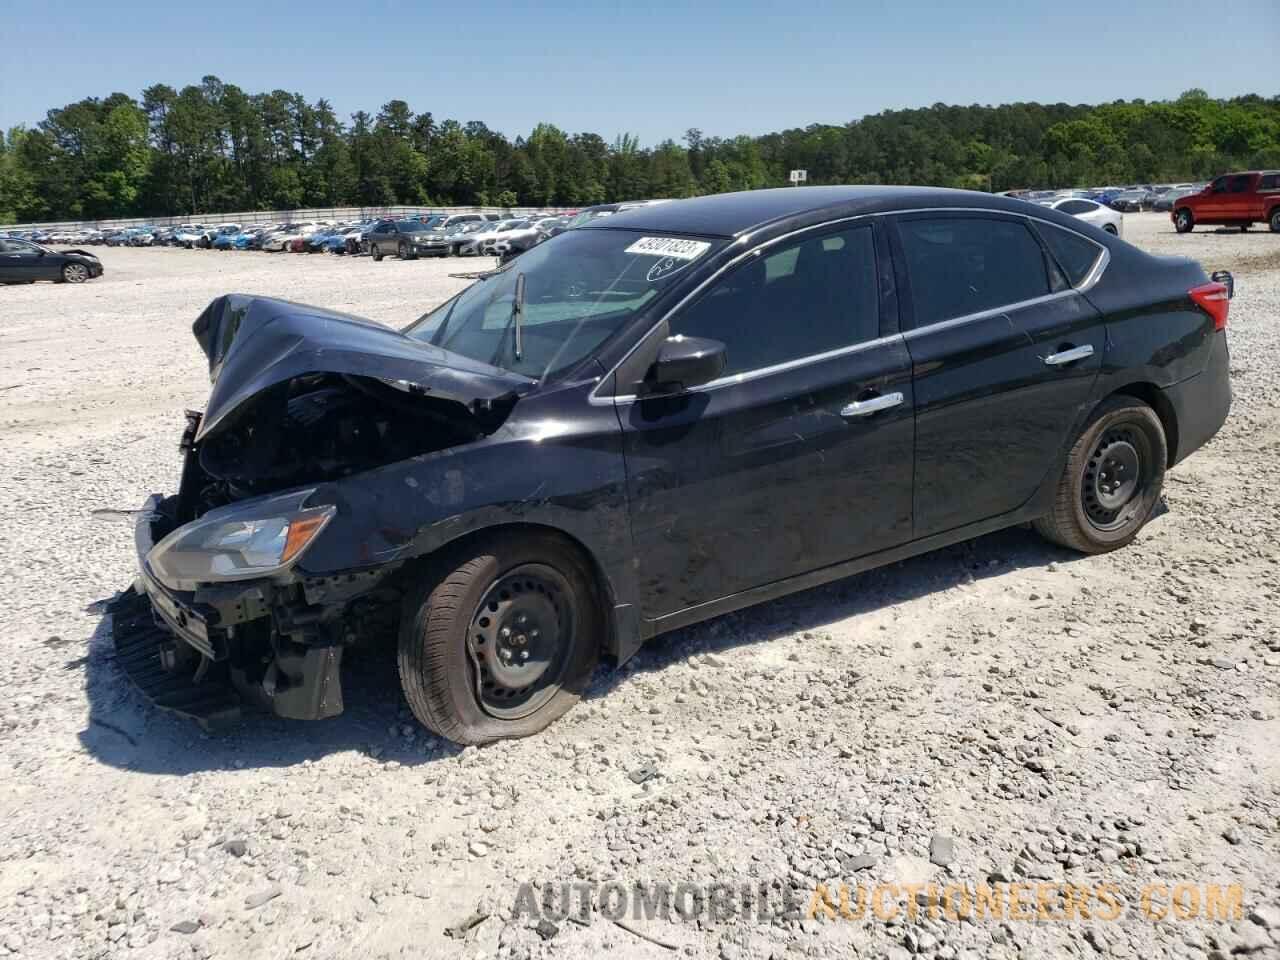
<point>1091,278</point>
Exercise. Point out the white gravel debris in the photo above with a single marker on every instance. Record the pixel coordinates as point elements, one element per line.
<point>1005,709</point>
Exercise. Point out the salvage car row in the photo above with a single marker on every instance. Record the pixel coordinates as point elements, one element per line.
<point>458,234</point>
<point>24,258</point>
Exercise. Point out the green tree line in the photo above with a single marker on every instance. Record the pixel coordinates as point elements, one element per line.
<point>212,146</point>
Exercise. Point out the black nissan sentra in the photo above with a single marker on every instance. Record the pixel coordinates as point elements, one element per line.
<point>659,417</point>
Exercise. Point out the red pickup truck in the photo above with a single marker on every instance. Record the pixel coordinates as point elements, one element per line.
<point>1235,199</point>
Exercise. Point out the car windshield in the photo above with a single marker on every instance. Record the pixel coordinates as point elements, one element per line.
<point>411,226</point>
<point>586,216</point>
<point>579,288</point>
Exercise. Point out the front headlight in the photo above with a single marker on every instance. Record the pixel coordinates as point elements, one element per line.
<point>239,543</point>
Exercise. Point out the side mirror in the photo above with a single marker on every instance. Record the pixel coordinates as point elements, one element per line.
<point>683,362</point>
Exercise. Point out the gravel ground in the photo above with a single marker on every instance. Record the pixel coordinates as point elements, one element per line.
<point>997,711</point>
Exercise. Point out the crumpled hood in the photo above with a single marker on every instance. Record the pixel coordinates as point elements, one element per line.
<point>257,342</point>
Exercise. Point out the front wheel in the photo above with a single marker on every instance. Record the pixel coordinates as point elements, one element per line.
<point>403,253</point>
<point>1111,481</point>
<point>504,643</point>
<point>75,273</point>
<point>1183,221</point>
<point>376,252</point>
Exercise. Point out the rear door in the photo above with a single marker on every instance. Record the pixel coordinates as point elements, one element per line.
<point>800,455</point>
<point>1004,352</point>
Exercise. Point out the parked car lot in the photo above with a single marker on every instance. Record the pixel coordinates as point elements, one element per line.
<point>1134,693</point>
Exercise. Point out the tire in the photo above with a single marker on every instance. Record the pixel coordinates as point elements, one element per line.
<point>403,252</point>
<point>1184,221</point>
<point>376,252</point>
<point>1111,229</point>
<point>1273,220</point>
<point>74,273</point>
<point>455,683</point>
<point>1089,513</point>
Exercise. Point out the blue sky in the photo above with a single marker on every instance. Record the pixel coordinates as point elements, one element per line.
<point>652,69</point>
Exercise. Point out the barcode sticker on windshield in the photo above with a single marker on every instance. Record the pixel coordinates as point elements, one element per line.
<point>674,247</point>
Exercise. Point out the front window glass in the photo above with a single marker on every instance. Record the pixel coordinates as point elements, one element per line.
<point>805,299</point>
<point>579,289</point>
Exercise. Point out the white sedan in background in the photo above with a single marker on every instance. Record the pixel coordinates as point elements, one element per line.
<point>1091,211</point>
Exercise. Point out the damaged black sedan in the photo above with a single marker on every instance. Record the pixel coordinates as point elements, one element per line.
<point>662,416</point>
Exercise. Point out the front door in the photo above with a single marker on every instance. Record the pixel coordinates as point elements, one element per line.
<point>1239,199</point>
<point>800,455</point>
<point>1005,351</point>
<point>19,260</point>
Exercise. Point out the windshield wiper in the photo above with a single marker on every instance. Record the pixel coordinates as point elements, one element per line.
<point>513,328</point>
<point>517,315</point>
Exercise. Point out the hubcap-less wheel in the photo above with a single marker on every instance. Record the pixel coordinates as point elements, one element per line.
<point>1184,221</point>
<point>75,273</point>
<point>521,636</point>
<point>1275,222</point>
<point>1114,478</point>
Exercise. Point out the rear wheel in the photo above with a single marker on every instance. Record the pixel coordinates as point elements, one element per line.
<point>1111,481</point>
<point>1184,221</point>
<point>504,643</point>
<point>1274,220</point>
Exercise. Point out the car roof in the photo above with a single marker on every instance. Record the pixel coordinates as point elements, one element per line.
<point>734,214</point>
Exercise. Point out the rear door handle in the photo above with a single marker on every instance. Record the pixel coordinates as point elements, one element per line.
<point>864,408</point>
<point>1069,356</point>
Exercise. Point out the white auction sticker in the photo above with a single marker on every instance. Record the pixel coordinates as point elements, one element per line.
<point>676,248</point>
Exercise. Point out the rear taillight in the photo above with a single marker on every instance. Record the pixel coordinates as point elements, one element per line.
<point>1214,300</point>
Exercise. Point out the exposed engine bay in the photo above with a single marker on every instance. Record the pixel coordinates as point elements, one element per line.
<point>314,429</point>
<point>221,614</point>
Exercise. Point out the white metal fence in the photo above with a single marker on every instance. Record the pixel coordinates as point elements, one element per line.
<point>247,217</point>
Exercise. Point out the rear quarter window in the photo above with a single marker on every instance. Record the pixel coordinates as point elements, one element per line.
<point>1075,255</point>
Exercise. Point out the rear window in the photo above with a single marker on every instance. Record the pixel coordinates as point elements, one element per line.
<point>1075,255</point>
<point>960,266</point>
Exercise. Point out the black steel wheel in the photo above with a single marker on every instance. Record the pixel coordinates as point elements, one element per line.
<point>522,633</point>
<point>502,639</point>
<point>1274,220</point>
<point>1184,221</point>
<point>1112,479</point>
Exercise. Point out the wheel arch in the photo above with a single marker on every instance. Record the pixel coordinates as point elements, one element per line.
<point>430,565</point>
<point>1154,398</point>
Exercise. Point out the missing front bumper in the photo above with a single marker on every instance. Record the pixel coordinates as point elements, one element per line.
<point>148,654</point>
<point>206,653</point>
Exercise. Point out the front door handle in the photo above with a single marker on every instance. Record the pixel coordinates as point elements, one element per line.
<point>864,408</point>
<point>1069,356</point>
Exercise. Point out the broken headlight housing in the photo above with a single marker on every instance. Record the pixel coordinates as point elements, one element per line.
<point>239,542</point>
